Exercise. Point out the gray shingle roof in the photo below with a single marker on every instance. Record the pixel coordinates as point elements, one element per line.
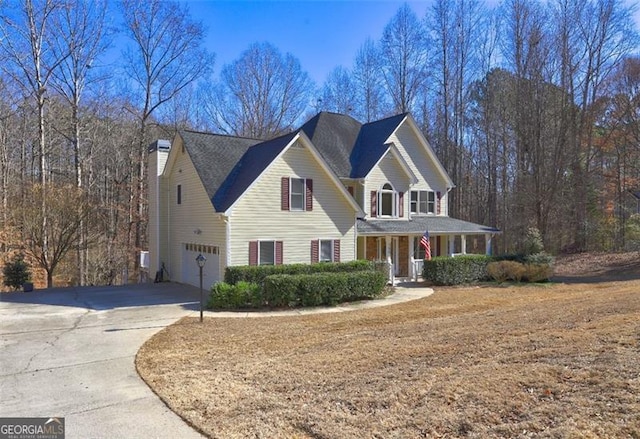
<point>214,155</point>
<point>349,148</point>
<point>419,224</point>
<point>334,136</point>
<point>370,145</point>
<point>254,161</point>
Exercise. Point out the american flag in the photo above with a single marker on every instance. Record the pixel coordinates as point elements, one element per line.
<point>424,241</point>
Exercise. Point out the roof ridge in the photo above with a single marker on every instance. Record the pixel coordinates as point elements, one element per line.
<point>403,115</point>
<point>218,134</point>
<point>338,114</point>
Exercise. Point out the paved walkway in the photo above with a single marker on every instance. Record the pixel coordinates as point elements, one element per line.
<point>404,292</point>
<point>71,353</point>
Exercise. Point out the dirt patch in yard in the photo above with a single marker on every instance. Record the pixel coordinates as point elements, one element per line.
<point>597,267</point>
<point>561,360</point>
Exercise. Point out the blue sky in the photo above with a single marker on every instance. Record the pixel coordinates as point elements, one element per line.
<point>321,34</point>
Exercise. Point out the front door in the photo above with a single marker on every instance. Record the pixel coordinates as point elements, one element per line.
<point>392,243</point>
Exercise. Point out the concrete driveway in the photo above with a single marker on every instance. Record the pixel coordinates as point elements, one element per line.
<point>70,353</point>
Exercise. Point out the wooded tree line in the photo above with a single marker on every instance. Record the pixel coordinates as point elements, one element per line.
<point>532,107</point>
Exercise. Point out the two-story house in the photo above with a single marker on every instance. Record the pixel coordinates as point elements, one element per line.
<point>333,190</point>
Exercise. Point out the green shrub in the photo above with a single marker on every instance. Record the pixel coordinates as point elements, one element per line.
<point>280,290</point>
<point>322,288</point>
<point>258,273</point>
<point>516,257</point>
<point>241,295</point>
<point>364,285</point>
<point>533,241</point>
<point>16,272</point>
<point>458,270</point>
<point>541,258</point>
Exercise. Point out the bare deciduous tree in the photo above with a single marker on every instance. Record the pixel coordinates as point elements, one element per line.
<point>261,94</point>
<point>368,81</point>
<point>25,41</point>
<point>339,92</point>
<point>404,56</point>
<point>166,56</point>
<point>68,206</point>
<point>79,30</point>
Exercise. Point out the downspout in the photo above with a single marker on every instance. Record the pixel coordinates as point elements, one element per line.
<point>227,251</point>
<point>355,237</point>
<point>448,190</point>
<point>169,243</point>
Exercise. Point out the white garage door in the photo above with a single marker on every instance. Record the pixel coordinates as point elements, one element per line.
<point>190,269</point>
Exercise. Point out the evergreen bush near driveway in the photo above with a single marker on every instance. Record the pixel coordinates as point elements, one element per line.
<point>241,295</point>
<point>16,272</point>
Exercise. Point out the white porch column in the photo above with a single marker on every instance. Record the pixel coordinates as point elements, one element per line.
<point>452,240</point>
<point>387,241</point>
<point>412,262</point>
<point>487,238</point>
<point>463,244</point>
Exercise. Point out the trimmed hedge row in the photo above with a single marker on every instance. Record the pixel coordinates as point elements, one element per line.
<point>241,295</point>
<point>458,270</point>
<point>286,290</point>
<point>322,288</point>
<point>468,269</point>
<point>258,273</point>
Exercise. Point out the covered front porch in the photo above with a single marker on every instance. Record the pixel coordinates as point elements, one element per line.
<point>397,242</point>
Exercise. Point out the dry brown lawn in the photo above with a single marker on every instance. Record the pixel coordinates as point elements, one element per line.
<point>560,361</point>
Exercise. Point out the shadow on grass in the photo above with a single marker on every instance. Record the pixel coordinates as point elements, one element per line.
<point>615,273</point>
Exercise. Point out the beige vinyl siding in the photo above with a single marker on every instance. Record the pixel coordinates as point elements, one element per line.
<point>388,170</point>
<point>358,193</point>
<point>195,213</point>
<point>257,214</point>
<point>412,150</point>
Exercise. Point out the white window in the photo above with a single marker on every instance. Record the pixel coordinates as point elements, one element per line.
<point>297,194</point>
<point>267,253</point>
<point>387,201</point>
<point>326,250</point>
<point>423,202</point>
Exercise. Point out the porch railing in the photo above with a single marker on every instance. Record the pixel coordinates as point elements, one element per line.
<point>417,265</point>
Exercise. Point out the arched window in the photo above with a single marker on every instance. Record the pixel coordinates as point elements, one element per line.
<point>387,200</point>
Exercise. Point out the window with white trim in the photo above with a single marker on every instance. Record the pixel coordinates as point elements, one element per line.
<point>423,202</point>
<point>297,194</point>
<point>387,201</point>
<point>326,250</point>
<point>267,253</point>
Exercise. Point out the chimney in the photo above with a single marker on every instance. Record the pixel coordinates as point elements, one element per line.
<point>158,154</point>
